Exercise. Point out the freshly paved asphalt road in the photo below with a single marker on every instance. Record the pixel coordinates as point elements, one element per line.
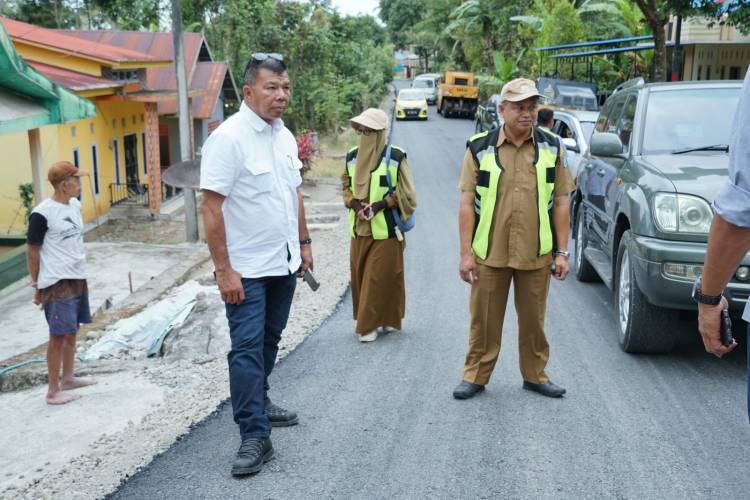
<point>377,421</point>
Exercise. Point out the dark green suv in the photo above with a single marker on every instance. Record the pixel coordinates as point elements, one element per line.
<point>641,213</point>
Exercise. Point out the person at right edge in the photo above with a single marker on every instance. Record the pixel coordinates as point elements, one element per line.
<point>377,252</point>
<point>729,237</point>
<point>508,178</point>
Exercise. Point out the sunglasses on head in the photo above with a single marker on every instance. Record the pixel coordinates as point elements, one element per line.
<point>262,56</point>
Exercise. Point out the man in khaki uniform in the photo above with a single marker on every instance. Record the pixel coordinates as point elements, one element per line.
<point>509,177</point>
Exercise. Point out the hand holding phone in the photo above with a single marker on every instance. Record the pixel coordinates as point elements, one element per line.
<point>310,279</point>
<point>725,329</point>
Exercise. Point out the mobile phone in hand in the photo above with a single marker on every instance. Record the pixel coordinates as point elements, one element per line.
<point>368,213</point>
<point>725,329</point>
<point>310,279</point>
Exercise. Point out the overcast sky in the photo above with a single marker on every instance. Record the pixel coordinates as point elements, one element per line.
<point>354,7</point>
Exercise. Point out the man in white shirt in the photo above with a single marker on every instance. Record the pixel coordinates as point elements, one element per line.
<point>255,227</point>
<point>57,265</point>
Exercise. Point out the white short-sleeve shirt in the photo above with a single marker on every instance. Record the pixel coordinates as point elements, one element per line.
<point>62,255</point>
<point>255,165</point>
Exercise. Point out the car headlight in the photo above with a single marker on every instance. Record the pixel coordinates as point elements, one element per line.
<point>681,213</point>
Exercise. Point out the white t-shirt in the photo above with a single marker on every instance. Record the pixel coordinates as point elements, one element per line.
<point>62,253</point>
<point>255,166</point>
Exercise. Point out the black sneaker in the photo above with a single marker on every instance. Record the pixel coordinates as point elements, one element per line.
<point>280,417</point>
<point>251,456</point>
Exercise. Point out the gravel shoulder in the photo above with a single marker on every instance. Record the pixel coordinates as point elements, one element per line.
<point>142,405</point>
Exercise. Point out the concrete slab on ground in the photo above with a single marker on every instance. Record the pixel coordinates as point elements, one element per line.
<point>22,325</point>
<point>53,435</point>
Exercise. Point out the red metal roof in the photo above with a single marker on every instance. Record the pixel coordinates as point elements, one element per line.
<point>205,75</point>
<point>72,79</point>
<point>209,77</point>
<point>61,40</point>
<point>159,45</point>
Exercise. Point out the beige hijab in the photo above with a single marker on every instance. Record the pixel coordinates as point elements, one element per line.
<point>370,150</point>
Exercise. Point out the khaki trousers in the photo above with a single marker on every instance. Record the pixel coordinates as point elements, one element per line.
<point>489,296</point>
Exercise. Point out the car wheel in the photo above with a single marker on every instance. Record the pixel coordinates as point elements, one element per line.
<point>584,270</point>
<point>642,327</point>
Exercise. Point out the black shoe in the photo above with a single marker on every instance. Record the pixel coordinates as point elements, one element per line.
<point>251,456</point>
<point>547,389</point>
<point>466,390</point>
<point>280,417</point>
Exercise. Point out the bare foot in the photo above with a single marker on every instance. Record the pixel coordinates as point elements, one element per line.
<point>61,398</point>
<point>77,382</point>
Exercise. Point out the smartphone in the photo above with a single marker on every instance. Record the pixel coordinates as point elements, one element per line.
<point>725,328</point>
<point>310,279</point>
<point>368,213</point>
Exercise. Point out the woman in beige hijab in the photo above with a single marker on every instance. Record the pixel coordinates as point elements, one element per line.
<point>377,246</point>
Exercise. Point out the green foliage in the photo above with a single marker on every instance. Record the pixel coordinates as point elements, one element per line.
<point>400,16</point>
<point>338,65</point>
<point>53,14</point>
<point>26,193</point>
<point>562,24</point>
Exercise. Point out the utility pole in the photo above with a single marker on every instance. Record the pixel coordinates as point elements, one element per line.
<point>186,154</point>
<point>677,51</point>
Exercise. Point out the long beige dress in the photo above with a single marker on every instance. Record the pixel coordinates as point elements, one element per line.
<point>377,266</point>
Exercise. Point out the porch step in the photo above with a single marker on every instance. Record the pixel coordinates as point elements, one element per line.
<point>130,211</point>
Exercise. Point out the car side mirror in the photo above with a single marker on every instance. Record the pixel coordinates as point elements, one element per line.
<point>606,144</point>
<point>570,143</point>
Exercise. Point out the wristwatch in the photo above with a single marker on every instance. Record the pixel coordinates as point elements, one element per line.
<point>698,297</point>
<point>308,241</point>
<point>561,253</point>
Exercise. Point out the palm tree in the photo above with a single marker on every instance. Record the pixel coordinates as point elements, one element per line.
<point>476,16</point>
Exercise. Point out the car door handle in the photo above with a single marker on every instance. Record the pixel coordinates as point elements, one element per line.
<point>601,172</point>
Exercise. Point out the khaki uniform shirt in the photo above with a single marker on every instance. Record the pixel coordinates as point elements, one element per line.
<point>514,236</point>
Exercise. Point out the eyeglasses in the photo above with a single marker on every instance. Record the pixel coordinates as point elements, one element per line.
<point>366,131</point>
<point>262,56</point>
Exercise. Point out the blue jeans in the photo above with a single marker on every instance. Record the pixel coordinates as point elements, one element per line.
<point>255,328</point>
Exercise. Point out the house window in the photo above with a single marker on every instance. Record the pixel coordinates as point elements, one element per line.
<point>125,75</point>
<point>122,122</point>
<point>723,72</point>
<point>73,131</point>
<point>133,119</point>
<point>145,158</point>
<point>91,127</point>
<point>708,72</point>
<point>114,123</point>
<point>95,168</point>
<point>734,73</point>
<point>116,147</point>
<point>77,163</point>
<point>700,70</point>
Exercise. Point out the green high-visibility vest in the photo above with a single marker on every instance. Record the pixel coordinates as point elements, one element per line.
<point>483,148</point>
<point>383,225</point>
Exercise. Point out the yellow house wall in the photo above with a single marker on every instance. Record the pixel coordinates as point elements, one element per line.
<point>15,169</point>
<point>114,120</point>
<point>67,61</point>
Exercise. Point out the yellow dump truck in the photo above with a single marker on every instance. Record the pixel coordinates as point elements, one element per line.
<point>458,95</point>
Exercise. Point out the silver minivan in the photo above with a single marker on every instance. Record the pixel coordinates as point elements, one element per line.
<point>428,84</point>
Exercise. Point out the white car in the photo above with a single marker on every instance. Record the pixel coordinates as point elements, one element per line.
<point>428,85</point>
